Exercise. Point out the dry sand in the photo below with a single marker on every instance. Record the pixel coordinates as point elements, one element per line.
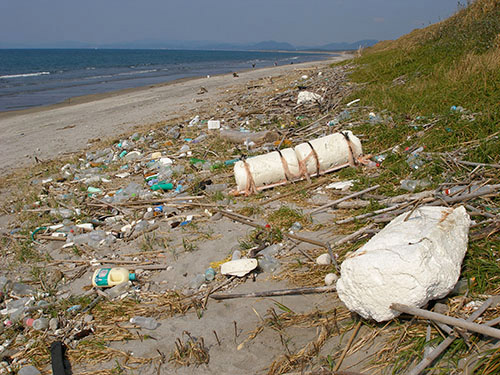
<point>48,132</point>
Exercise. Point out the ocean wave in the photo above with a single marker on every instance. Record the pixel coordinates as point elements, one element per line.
<point>137,72</point>
<point>24,75</point>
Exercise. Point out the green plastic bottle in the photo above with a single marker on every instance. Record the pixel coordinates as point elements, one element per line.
<point>162,186</point>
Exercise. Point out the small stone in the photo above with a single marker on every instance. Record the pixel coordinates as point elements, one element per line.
<point>324,259</point>
<point>216,217</point>
<point>441,308</point>
<point>88,318</point>
<point>330,279</point>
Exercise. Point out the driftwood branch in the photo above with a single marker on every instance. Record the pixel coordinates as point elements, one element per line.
<point>474,327</point>
<point>447,341</point>
<point>274,293</point>
<point>357,194</point>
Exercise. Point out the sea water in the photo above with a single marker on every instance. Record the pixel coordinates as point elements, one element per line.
<point>37,77</point>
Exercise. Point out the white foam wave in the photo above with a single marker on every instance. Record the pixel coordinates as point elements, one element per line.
<point>24,75</point>
<point>137,72</point>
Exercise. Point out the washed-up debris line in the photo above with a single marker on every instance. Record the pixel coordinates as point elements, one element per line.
<point>121,211</point>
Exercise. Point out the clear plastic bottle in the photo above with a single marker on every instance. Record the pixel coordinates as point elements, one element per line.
<point>29,370</point>
<point>38,324</point>
<point>144,322</point>
<point>268,264</point>
<point>209,274</point>
<point>215,188</point>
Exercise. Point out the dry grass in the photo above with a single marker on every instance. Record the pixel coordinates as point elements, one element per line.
<point>191,352</point>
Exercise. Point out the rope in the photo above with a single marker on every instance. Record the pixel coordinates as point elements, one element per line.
<point>350,156</point>
<point>303,162</point>
<point>288,175</point>
<point>250,187</point>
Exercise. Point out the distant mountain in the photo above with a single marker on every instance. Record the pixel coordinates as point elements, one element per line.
<point>272,45</point>
<point>269,45</point>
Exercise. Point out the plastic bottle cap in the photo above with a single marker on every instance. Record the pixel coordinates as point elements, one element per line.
<point>131,276</point>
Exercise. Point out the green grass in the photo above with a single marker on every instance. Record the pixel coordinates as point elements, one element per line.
<point>410,83</point>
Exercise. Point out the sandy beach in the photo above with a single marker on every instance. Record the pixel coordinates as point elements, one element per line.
<point>48,132</point>
<point>240,335</point>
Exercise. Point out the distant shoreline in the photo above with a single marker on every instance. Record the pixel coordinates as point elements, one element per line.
<point>65,128</point>
<point>57,77</point>
<point>79,99</point>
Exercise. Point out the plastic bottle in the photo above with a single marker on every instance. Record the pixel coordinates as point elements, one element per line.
<point>29,370</point>
<point>143,322</point>
<point>215,188</point>
<point>236,255</point>
<point>209,274</point>
<point>295,227</point>
<point>162,186</point>
<point>268,264</point>
<point>194,121</point>
<point>38,324</point>
<point>107,277</point>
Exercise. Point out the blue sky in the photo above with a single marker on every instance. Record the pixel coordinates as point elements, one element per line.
<point>300,22</point>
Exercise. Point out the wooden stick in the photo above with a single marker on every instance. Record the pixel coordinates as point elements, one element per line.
<point>354,195</point>
<point>349,343</point>
<point>479,328</point>
<point>478,164</point>
<point>490,189</point>
<point>274,293</point>
<point>248,221</point>
<point>426,361</point>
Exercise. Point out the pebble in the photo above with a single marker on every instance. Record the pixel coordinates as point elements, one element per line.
<point>441,308</point>
<point>330,279</point>
<point>324,259</point>
<point>88,318</point>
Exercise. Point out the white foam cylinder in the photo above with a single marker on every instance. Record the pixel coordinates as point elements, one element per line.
<point>332,151</point>
<point>266,169</point>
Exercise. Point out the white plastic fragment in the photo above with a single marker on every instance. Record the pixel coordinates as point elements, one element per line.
<point>213,124</point>
<point>238,267</point>
<point>352,102</point>
<point>324,259</point>
<point>409,262</point>
<point>340,185</point>
<point>307,97</point>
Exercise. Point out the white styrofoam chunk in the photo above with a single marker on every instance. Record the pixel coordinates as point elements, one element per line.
<point>332,151</point>
<point>409,262</point>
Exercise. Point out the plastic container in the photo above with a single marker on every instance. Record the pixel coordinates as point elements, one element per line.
<point>108,277</point>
